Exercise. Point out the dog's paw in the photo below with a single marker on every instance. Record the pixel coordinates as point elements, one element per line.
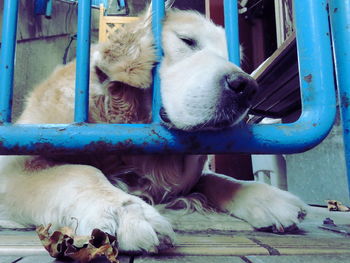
<point>267,208</point>
<point>137,225</point>
<point>142,228</point>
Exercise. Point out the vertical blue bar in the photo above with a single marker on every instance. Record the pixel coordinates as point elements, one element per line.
<point>339,11</point>
<point>158,12</point>
<point>232,31</point>
<point>121,4</point>
<point>48,8</point>
<point>83,62</point>
<point>7,57</point>
<point>315,58</point>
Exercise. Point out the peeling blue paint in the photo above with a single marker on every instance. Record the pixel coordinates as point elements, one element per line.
<point>318,103</point>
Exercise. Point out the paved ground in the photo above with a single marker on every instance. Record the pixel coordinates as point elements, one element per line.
<point>212,239</point>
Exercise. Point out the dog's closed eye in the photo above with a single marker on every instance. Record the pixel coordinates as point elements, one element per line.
<point>189,42</point>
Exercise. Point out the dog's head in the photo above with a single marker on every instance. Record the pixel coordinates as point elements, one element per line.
<point>200,88</point>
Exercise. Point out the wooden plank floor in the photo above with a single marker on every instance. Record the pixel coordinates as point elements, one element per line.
<point>212,238</point>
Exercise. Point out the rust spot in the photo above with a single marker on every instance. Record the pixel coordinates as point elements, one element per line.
<point>78,123</point>
<point>192,143</point>
<point>47,148</point>
<point>229,146</point>
<point>308,78</point>
<point>104,147</point>
<point>160,137</point>
<point>5,150</point>
<point>345,101</point>
<point>314,124</point>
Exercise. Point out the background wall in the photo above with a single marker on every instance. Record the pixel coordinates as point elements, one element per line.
<point>41,44</point>
<point>320,173</point>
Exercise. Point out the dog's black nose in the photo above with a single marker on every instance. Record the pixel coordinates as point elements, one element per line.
<point>242,85</point>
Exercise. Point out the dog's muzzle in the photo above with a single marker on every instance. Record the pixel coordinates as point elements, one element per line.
<point>236,99</point>
<point>237,91</point>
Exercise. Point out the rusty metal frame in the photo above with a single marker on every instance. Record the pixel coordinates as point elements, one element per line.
<point>318,104</point>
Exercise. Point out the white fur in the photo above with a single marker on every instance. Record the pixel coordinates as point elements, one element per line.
<point>265,205</point>
<point>81,197</point>
<point>194,101</point>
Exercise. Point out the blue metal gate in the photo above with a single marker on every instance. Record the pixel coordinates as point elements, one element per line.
<point>316,81</point>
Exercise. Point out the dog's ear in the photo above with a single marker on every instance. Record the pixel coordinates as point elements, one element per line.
<point>127,56</point>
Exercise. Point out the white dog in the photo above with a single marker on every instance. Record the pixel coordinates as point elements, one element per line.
<point>200,90</point>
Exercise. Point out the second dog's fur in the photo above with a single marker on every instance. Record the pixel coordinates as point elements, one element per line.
<point>200,90</point>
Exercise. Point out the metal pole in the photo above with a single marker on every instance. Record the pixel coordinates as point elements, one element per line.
<point>158,13</point>
<point>339,12</point>
<point>7,57</point>
<point>83,62</point>
<point>315,62</point>
<point>232,30</point>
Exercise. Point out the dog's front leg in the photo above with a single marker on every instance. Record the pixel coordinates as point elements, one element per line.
<point>81,197</point>
<point>261,205</point>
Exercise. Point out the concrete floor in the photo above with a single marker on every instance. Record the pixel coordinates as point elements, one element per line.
<point>217,238</point>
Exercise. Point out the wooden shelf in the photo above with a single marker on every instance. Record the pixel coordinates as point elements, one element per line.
<point>278,78</point>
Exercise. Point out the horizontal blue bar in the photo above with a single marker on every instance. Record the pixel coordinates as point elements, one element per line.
<point>153,138</point>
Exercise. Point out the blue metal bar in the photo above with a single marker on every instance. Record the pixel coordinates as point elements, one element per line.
<point>40,7</point>
<point>83,62</point>
<point>48,11</point>
<point>315,60</point>
<point>339,11</point>
<point>122,4</point>
<point>232,30</point>
<point>7,57</point>
<point>158,12</point>
<point>318,100</point>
